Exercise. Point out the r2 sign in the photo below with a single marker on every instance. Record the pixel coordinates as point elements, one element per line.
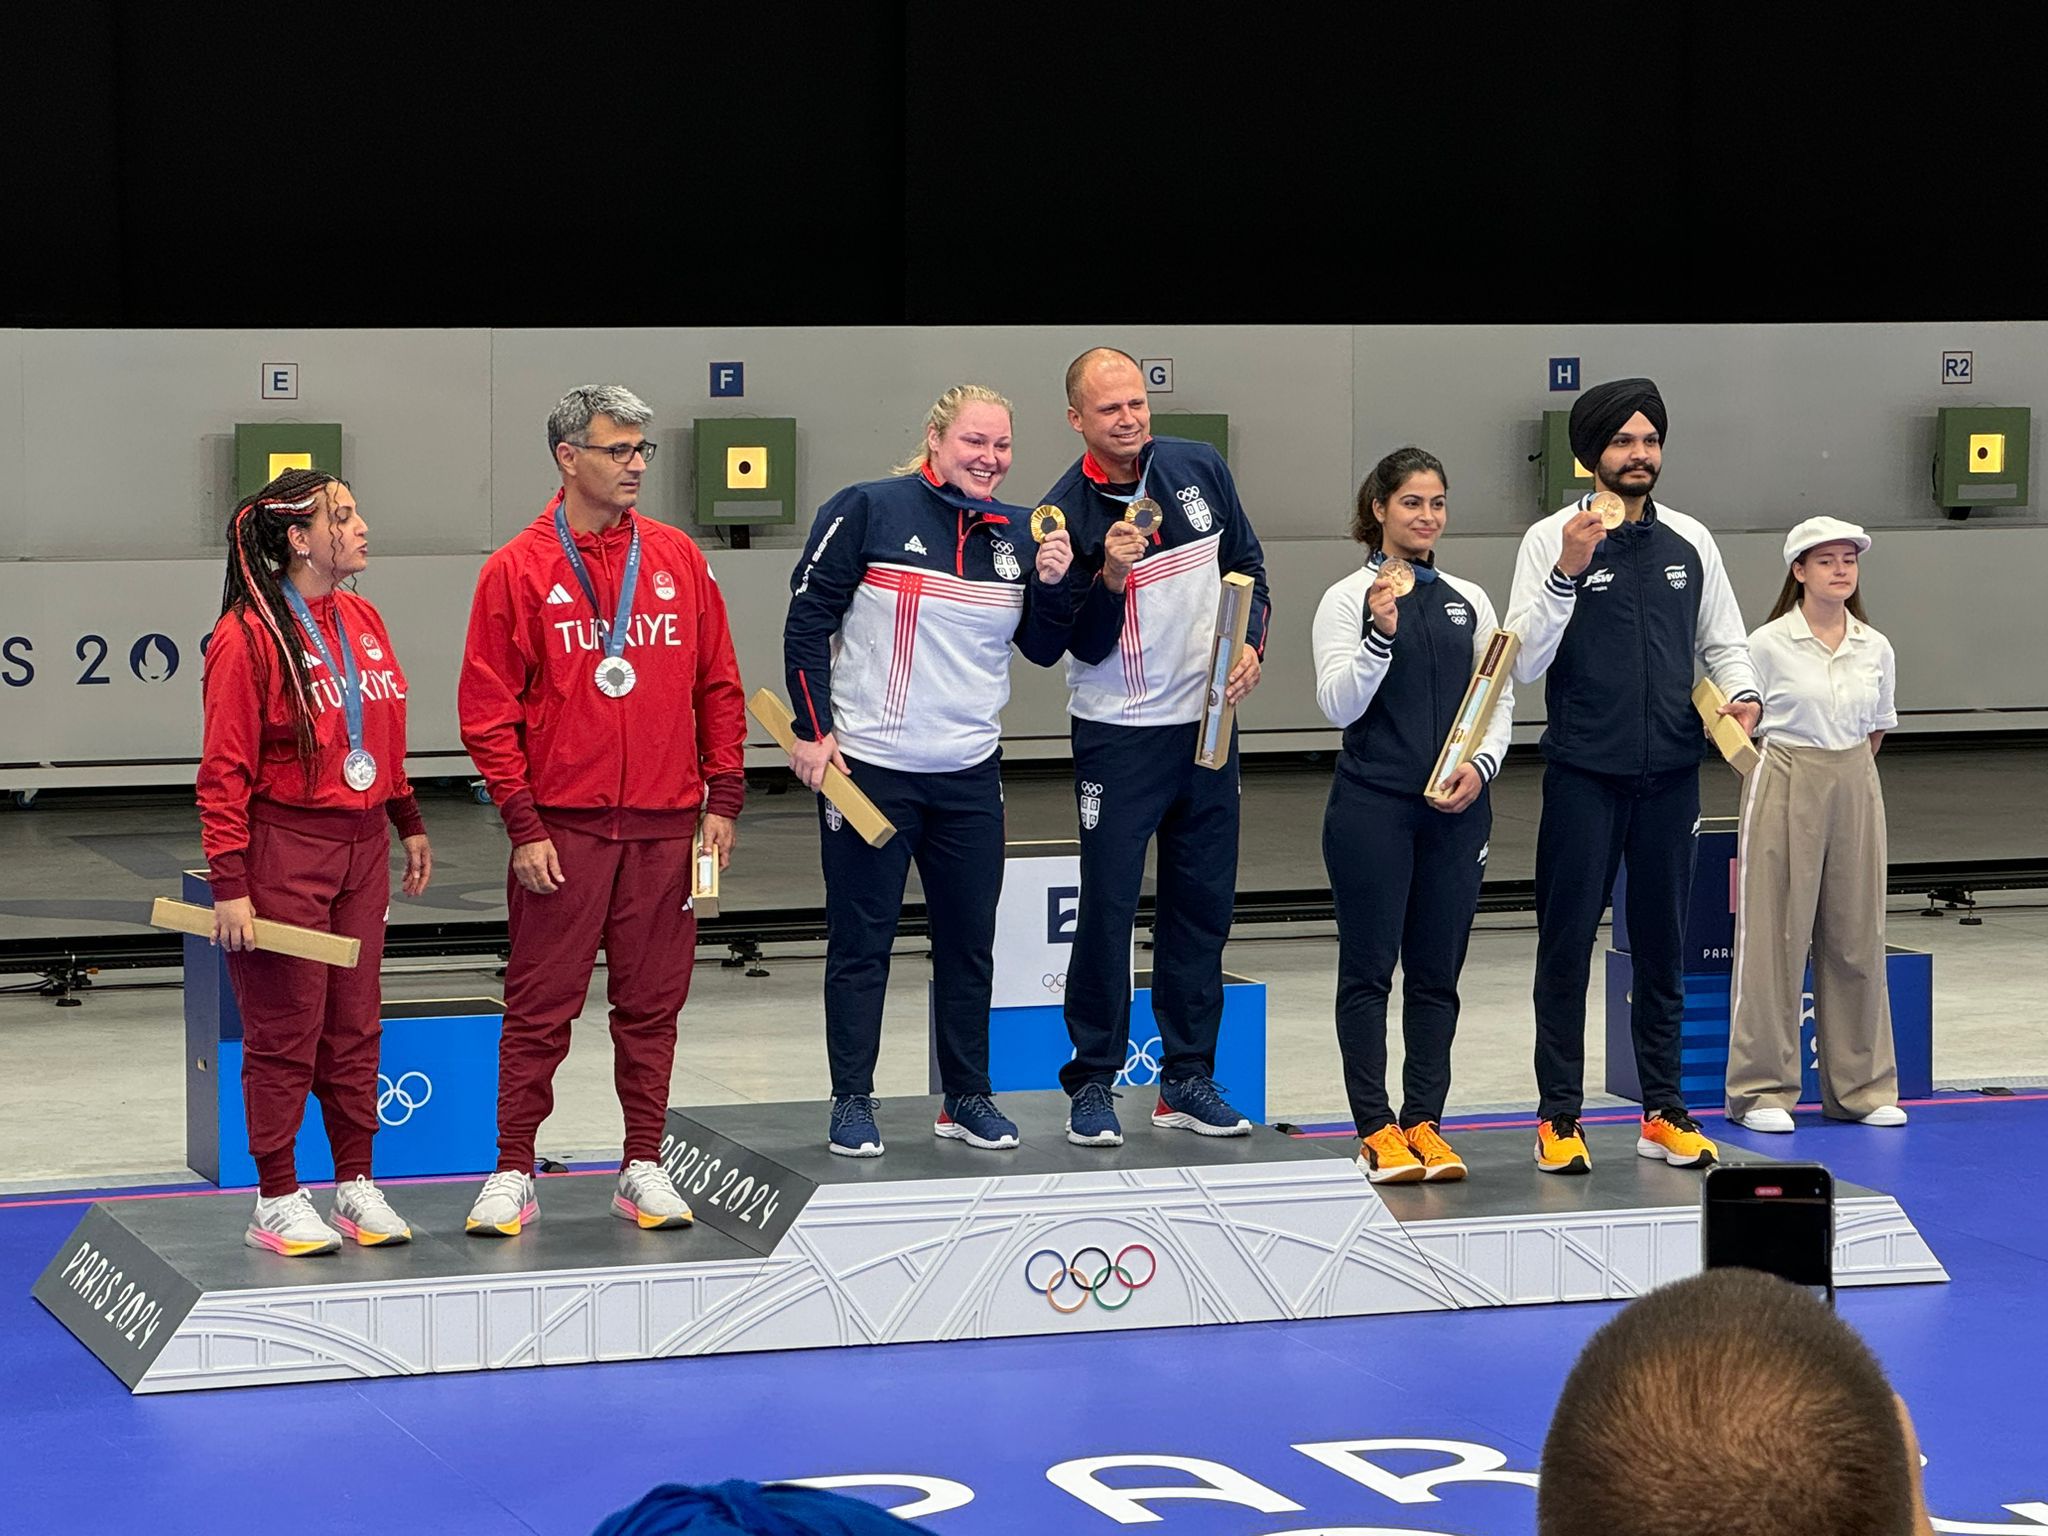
<point>1957,367</point>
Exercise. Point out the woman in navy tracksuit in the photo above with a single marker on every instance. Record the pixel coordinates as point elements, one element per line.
<point>1392,670</point>
<point>897,645</point>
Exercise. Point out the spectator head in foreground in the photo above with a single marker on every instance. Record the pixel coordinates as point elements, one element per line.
<point>1731,1402</point>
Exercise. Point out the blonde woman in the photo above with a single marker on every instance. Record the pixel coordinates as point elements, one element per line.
<point>902,611</point>
<point>1811,863</point>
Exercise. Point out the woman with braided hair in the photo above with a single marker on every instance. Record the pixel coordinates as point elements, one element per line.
<point>301,771</point>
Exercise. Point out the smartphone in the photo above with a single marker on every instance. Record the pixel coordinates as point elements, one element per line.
<point>1776,1217</point>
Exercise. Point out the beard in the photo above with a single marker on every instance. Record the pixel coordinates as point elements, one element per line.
<point>1635,476</point>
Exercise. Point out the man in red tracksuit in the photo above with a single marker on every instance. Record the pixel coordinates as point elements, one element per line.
<point>601,701</point>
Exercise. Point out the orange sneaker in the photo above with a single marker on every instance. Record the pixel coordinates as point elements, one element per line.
<point>1440,1165</point>
<point>1561,1146</point>
<point>1387,1158</point>
<point>1675,1136</point>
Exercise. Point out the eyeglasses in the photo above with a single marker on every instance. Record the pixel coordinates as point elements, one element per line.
<point>621,453</point>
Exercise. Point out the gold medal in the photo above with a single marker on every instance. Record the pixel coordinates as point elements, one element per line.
<point>1399,576</point>
<point>1610,509</point>
<point>1046,521</point>
<point>1143,514</point>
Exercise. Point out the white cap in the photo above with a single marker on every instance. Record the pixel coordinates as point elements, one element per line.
<point>1823,530</point>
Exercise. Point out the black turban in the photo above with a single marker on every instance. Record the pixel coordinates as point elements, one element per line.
<point>1600,412</point>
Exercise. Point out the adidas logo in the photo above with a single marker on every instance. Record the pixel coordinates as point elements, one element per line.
<point>915,545</point>
<point>559,595</point>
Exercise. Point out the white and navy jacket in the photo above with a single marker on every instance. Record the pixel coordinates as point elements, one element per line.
<point>901,615</point>
<point>1141,657</point>
<point>1397,699</point>
<point>1623,643</point>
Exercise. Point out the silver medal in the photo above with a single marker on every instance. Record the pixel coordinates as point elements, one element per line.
<point>616,677</point>
<point>359,770</point>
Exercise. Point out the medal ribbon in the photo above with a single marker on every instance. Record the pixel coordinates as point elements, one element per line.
<point>1422,572</point>
<point>622,620</point>
<point>351,680</point>
<point>1144,479</point>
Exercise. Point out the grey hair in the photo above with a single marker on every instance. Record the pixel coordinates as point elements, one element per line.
<point>571,419</point>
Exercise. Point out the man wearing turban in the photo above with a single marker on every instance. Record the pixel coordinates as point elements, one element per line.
<point>1621,621</point>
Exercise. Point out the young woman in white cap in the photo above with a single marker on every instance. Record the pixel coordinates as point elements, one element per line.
<point>1811,867</point>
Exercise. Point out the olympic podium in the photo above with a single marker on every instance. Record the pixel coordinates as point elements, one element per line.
<point>1707,979</point>
<point>437,1103</point>
<point>797,1249</point>
<point>1027,1025</point>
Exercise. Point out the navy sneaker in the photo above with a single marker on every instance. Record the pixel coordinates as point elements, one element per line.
<point>974,1119</point>
<point>1091,1118</point>
<point>854,1133</point>
<point>1194,1104</point>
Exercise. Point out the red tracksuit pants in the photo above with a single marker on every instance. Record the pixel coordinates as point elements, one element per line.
<point>628,896</point>
<point>308,1027</point>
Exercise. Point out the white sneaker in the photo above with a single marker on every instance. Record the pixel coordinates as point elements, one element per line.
<point>505,1204</point>
<point>1766,1120</point>
<point>646,1195</point>
<point>1886,1114</point>
<point>289,1225</point>
<point>362,1212</point>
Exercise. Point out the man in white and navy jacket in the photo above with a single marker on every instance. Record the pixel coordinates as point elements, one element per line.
<point>1620,621</point>
<point>1138,655</point>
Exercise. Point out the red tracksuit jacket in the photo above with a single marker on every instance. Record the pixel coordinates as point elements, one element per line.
<point>250,746</point>
<point>541,733</point>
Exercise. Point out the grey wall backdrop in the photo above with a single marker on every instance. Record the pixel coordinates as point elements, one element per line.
<point>117,447</point>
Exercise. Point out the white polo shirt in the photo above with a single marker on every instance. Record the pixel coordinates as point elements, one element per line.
<point>1817,698</point>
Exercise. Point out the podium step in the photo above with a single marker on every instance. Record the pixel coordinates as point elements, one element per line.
<point>1513,1235</point>
<point>795,1248</point>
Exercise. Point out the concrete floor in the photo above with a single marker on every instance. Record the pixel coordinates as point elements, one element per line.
<point>94,1094</point>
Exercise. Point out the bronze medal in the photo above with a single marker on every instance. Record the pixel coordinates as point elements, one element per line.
<point>1143,514</point>
<point>1046,521</point>
<point>1610,509</point>
<point>1399,576</point>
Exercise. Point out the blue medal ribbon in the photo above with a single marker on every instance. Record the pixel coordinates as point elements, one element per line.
<point>622,620</point>
<point>351,680</point>
<point>1144,478</point>
<point>1422,572</point>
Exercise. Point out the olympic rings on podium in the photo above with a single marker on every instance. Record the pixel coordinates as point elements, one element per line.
<point>1071,1272</point>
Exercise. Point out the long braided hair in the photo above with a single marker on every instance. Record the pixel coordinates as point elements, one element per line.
<point>259,556</point>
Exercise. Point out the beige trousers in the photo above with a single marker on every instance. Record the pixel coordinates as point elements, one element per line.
<point>1810,873</point>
